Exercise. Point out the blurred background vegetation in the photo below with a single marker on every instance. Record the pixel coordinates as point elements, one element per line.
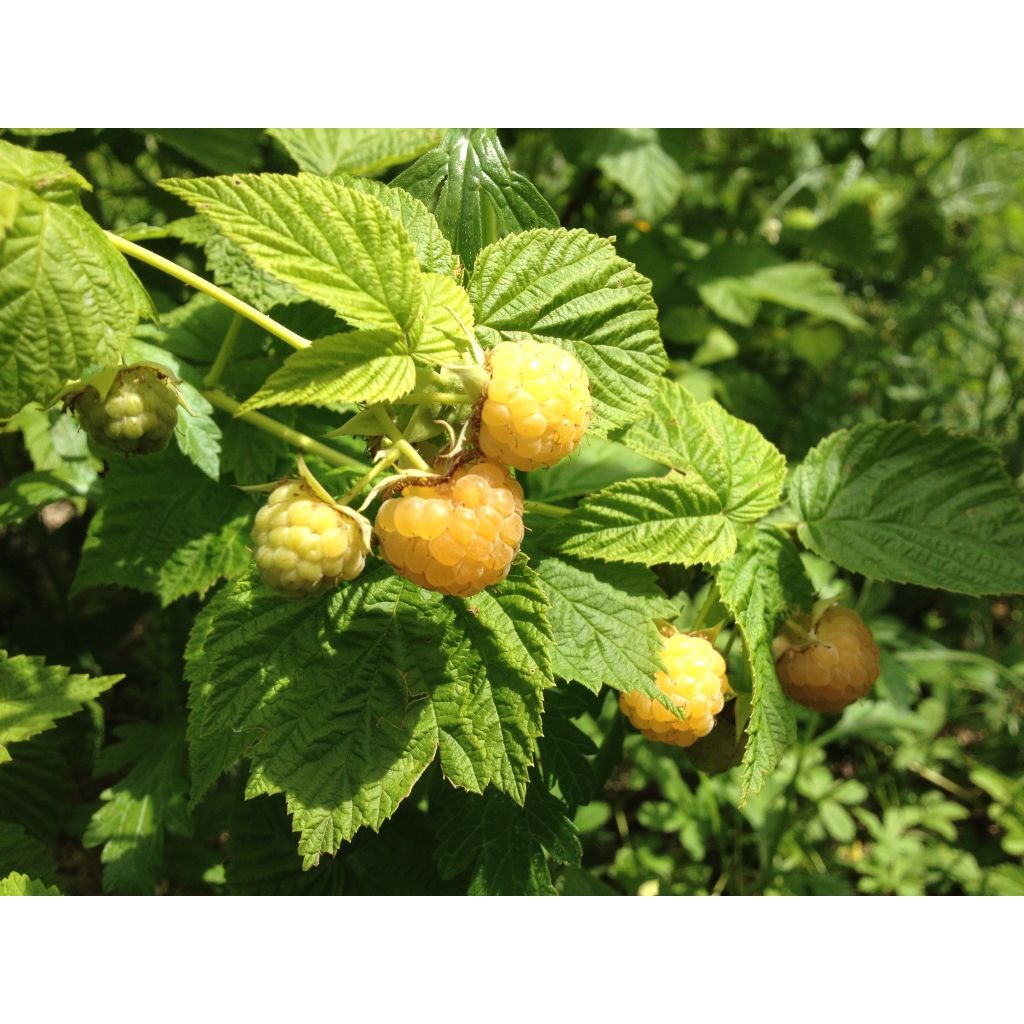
<point>808,280</point>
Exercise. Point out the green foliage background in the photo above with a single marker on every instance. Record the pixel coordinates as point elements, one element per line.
<point>808,281</point>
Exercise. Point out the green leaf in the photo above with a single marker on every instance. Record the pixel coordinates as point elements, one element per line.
<point>763,580</point>
<point>58,446</point>
<point>602,617</point>
<point>489,707</point>
<point>360,366</point>
<point>648,520</point>
<point>505,848</point>
<point>634,160</point>
<point>223,150</point>
<point>468,185</point>
<point>342,702</point>
<point>333,244</point>
<point>137,812</point>
<point>16,884</point>
<point>570,288</point>
<point>733,280</point>
<point>433,250</point>
<point>355,150</point>
<point>22,852</point>
<point>893,502</point>
<point>564,750</point>
<point>444,330</point>
<point>26,494</point>
<point>67,297</point>
<point>34,695</point>
<point>703,441</point>
<point>597,463</point>
<point>166,529</point>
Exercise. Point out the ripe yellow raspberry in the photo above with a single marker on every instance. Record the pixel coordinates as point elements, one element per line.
<point>457,536</point>
<point>536,407</point>
<point>695,679</point>
<point>138,414</point>
<point>838,666</point>
<point>305,545</point>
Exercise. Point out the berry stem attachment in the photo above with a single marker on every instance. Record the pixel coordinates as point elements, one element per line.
<point>200,284</point>
<point>227,347</point>
<point>394,434</point>
<point>303,442</point>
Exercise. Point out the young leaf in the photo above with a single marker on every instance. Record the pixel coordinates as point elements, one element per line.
<point>506,848</point>
<point>34,695</point>
<point>67,297</point>
<point>468,185</point>
<point>334,244</point>
<point>707,444</point>
<point>369,151</point>
<point>648,520</point>
<point>602,617</point>
<point>757,585</point>
<point>360,366</point>
<point>165,529</point>
<point>893,502</point>
<point>16,884</point>
<point>571,289</point>
<point>138,811</point>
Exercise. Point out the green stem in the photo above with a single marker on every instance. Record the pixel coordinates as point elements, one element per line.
<point>394,434</point>
<point>227,347</point>
<point>542,508</point>
<point>434,398</point>
<point>709,603</point>
<point>389,460</point>
<point>268,324</point>
<point>301,441</point>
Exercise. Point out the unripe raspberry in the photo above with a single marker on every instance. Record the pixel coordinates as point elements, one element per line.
<point>305,545</point>
<point>838,666</point>
<point>136,417</point>
<point>457,536</point>
<point>695,680</point>
<point>537,404</point>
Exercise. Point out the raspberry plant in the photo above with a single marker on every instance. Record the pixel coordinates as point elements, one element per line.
<point>492,493</point>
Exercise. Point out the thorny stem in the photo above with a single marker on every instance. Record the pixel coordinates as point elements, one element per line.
<point>394,434</point>
<point>434,398</point>
<point>268,324</point>
<point>227,346</point>
<point>301,441</point>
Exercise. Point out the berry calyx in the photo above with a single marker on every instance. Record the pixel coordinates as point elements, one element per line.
<point>304,544</point>
<point>537,404</point>
<point>837,664</point>
<point>135,415</point>
<point>695,680</point>
<point>457,536</point>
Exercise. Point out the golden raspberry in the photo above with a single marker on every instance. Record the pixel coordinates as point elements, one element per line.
<point>303,544</point>
<point>138,414</point>
<point>537,404</point>
<point>457,536</point>
<point>695,679</point>
<point>837,667</point>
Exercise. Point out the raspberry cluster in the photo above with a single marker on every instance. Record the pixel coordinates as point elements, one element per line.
<point>457,536</point>
<point>536,407</point>
<point>303,544</point>
<point>138,414</point>
<point>695,680</point>
<point>838,666</point>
